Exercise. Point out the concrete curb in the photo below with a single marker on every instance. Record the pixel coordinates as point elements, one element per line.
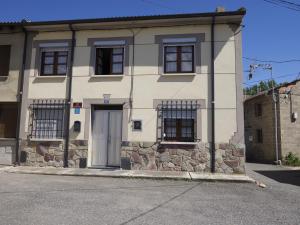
<point>170,175</point>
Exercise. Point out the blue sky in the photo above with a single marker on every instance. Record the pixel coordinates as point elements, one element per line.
<point>270,33</point>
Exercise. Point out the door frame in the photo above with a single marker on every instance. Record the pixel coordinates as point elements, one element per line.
<point>104,107</point>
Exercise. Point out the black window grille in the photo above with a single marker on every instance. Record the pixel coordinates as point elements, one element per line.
<point>177,121</point>
<point>47,119</point>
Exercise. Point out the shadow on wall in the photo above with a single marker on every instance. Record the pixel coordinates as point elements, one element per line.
<point>283,176</point>
<point>175,78</point>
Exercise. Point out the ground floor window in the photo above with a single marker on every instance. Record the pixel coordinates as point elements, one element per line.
<point>47,119</point>
<point>178,121</point>
<point>8,120</point>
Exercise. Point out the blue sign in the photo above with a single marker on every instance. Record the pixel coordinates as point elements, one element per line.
<point>76,110</point>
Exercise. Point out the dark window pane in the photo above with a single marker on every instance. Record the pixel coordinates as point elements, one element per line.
<point>171,57</point>
<point>117,58</point>
<point>61,69</point>
<point>187,49</point>
<point>62,60</point>
<point>186,66</point>
<point>186,56</point>
<point>48,69</point>
<point>170,49</point>
<point>49,60</point>
<point>171,66</point>
<point>117,68</point>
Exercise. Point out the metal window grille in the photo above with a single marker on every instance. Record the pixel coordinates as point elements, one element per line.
<point>177,121</point>
<point>47,119</point>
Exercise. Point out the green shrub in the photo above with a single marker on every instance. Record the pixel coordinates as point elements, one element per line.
<point>291,160</point>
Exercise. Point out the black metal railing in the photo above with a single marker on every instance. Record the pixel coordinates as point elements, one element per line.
<point>177,120</point>
<point>47,119</point>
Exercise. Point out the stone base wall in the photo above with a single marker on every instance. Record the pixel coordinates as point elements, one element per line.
<point>192,158</point>
<point>51,153</point>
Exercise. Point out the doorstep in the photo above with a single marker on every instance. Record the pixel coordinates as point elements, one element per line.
<point>117,173</point>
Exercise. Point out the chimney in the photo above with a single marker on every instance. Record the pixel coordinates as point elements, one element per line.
<point>220,9</point>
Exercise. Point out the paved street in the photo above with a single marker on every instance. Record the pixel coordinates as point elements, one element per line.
<point>42,199</point>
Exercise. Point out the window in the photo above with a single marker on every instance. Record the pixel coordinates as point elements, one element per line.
<point>109,61</point>
<point>259,136</point>
<point>179,59</point>
<point>4,60</point>
<point>8,120</point>
<point>178,121</point>
<point>47,119</point>
<point>258,109</point>
<point>54,63</point>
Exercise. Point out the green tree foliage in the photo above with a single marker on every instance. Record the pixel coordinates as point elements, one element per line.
<point>261,86</point>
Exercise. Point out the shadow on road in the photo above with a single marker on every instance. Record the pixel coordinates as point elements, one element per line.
<point>283,176</point>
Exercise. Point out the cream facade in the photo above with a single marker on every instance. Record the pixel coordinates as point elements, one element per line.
<point>138,94</point>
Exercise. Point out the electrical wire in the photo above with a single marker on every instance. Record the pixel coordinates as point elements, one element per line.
<point>285,4</point>
<point>256,81</point>
<point>272,61</point>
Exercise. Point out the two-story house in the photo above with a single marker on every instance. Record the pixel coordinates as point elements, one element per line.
<point>144,93</point>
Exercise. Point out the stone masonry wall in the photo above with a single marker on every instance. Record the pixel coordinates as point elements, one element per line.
<point>192,158</point>
<point>52,153</point>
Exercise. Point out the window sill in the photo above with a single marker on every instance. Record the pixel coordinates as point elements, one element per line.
<point>178,143</point>
<point>45,140</point>
<point>106,76</point>
<point>50,77</point>
<point>178,74</point>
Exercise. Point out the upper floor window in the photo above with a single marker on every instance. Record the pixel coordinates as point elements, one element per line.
<point>54,63</point>
<point>258,109</point>
<point>4,60</point>
<point>109,61</point>
<point>179,59</point>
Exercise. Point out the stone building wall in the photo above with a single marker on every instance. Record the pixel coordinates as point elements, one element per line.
<point>51,153</point>
<point>289,127</point>
<point>192,158</point>
<point>260,152</point>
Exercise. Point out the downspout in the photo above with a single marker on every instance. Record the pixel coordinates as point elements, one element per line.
<point>69,94</point>
<point>132,76</point>
<point>212,80</point>
<point>20,95</point>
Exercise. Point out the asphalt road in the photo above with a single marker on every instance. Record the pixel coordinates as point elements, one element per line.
<point>43,200</point>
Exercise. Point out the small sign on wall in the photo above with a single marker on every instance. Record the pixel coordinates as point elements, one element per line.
<point>77,106</point>
<point>77,111</point>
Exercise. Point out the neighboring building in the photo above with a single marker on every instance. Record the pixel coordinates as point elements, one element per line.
<point>11,50</point>
<point>143,93</point>
<point>260,123</point>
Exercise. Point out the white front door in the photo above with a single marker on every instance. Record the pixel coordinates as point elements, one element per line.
<point>106,137</point>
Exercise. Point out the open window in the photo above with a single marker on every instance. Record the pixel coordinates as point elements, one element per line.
<point>109,61</point>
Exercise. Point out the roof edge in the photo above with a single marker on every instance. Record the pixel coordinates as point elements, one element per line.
<point>239,12</point>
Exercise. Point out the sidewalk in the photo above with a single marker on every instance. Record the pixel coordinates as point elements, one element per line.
<point>175,175</point>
